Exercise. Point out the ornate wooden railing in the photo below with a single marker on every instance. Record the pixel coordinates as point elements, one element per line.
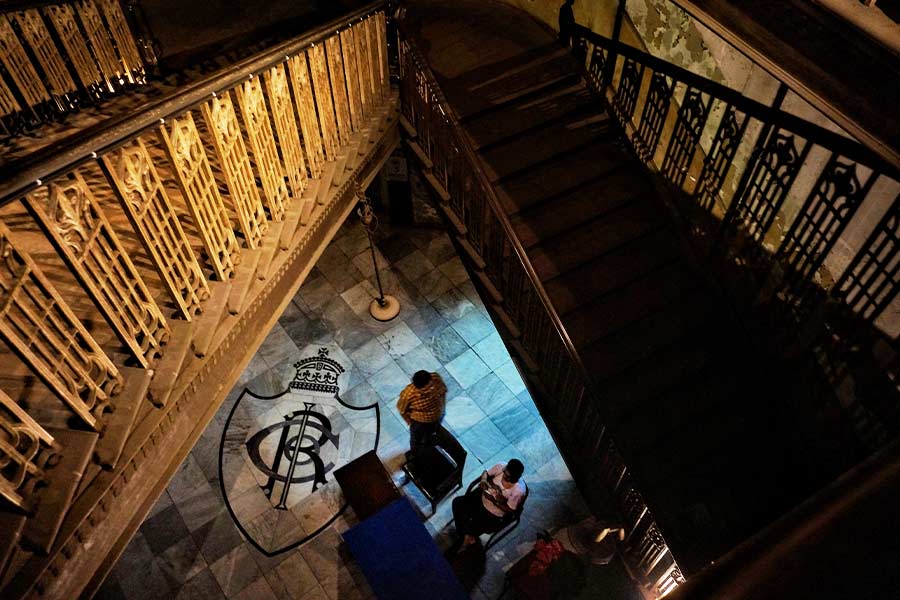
<point>800,224</point>
<point>517,298</point>
<point>183,226</point>
<point>58,56</point>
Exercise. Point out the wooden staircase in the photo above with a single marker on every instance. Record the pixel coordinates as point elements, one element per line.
<point>680,388</point>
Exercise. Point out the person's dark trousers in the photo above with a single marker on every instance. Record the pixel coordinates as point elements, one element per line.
<point>421,435</point>
<point>471,517</point>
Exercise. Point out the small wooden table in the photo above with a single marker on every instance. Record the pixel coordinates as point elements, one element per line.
<point>367,485</point>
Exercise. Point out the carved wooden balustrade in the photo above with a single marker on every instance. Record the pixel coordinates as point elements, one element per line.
<point>518,300</point>
<point>800,224</point>
<point>57,56</point>
<point>142,264</point>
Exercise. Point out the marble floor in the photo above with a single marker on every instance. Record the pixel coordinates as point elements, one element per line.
<point>190,545</point>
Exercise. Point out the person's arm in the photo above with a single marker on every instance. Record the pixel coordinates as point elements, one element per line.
<point>403,404</point>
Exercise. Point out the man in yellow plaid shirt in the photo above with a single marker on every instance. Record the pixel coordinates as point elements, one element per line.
<point>421,405</point>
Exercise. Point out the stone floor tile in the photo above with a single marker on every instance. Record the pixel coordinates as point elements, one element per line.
<point>462,413</point>
<point>433,284</point>
<point>363,262</point>
<point>492,350</point>
<point>198,509</point>
<point>164,529</point>
<point>371,357</point>
<point>217,537</point>
<point>455,270</point>
<point>515,421</point>
<point>354,241</point>
<point>235,570</point>
<point>452,305</point>
<point>483,440</point>
<point>359,297</point>
<point>180,562</point>
<point>439,249</point>
<point>277,346</point>
<point>258,590</point>
<point>110,590</point>
<point>420,358</point>
<point>528,402</point>
<point>317,292</point>
<point>414,265</point>
<point>467,368</point>
<point>490,393</point>
<point>396,247</point>
<point>202,586</point>
<point>343,586</point>
<point>469,291</point>
<point>292,579</point>
<point>509,374</point>
<point>474,327</point>
<point>139,577</point>
<point>537,448</point>
<point>389,381</point>
<point>446,345</point>
<point>165,501</point>
<point>399,339</point>
<point>325,554</point>
<point>426,322</point>
<point>453,387</point>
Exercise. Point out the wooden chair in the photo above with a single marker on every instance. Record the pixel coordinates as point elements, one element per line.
<point>510,520</point>
<point>437,470</point>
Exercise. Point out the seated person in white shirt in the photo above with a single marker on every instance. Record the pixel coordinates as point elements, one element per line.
<point>482,510</point>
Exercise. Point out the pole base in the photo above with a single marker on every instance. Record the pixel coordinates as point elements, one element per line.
<point>387,312</point>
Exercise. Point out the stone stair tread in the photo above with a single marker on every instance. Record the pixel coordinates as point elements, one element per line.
<point>560,176</point>
<point>527,114</point>
<point>166,368</point>
<point>530,150</point>
<point>592,238</point>
<point>474,98</point>
<point>656,291</point>
<point>594,278</point>
<point>119,422</point>
<point>524,60</point>
<point>269,249</point>
<point>547,219</point>
<point>63,479</point>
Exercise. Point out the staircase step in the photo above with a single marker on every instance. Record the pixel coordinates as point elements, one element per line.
<point>526,152</point>
<point>527,114</point>
<point>268,249</point>
<point>475,99</point>
<point>324,183</point>
<point>652,376</point>
<point>552,217</point>
<point>616,353</point>
<point>292,218</point>
<point>63,478</point>
<point>121,420</point>
<point>166,368</point>
<point>525,59</point>
<point>612,270</point>
<point>654,292</point>
<point>11,526</point>
<point>243,277</point>
<point>213,311</point>
<point>560,176</point>
<point>595,237</point>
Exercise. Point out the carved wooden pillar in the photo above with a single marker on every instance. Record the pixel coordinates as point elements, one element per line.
<point>147,205</point>
<point>306,110</point>
<point>40,327</point>
<point>262,142</point>
<point>279,93</point>
<point>339,89</point>
<point>76,224</point>
<point>383,71</point>
<point>351,77</point>
<point>324,104</point>
<point>201,193</point>
<point>222,122</point>
<point>365,52</point>
<point>21,438</point>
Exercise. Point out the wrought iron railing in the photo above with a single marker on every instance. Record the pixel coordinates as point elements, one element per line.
<point>520,301</point>
<point>114,240</point>
<point>800,224</point>
<point>56,57</point>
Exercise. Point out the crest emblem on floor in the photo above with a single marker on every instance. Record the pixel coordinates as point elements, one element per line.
<point>278,453</point>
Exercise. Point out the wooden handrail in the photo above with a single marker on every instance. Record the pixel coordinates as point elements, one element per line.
<point>21,176</point>
<point>843,145</point>
<point>495,205</point>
